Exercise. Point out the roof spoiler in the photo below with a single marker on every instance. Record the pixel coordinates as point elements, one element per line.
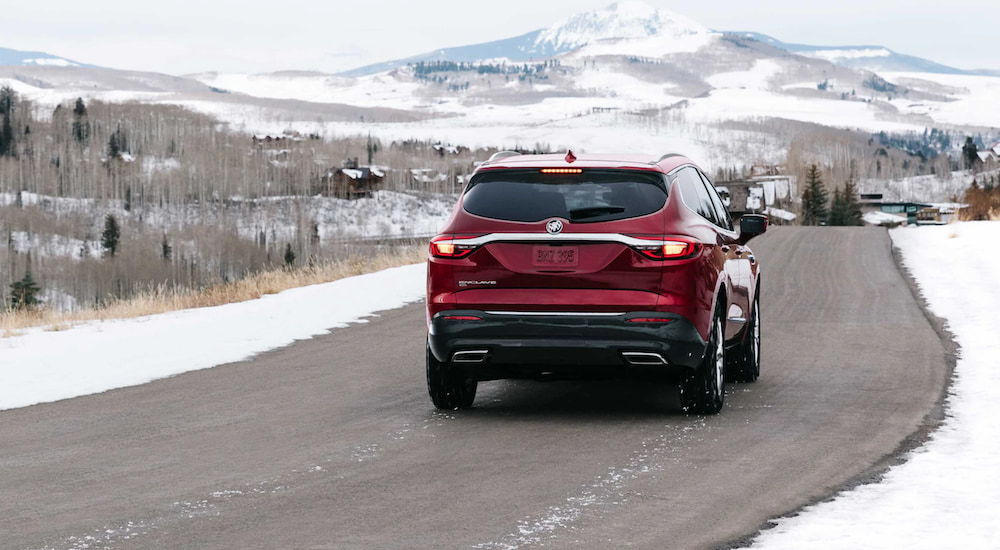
<point>503,154</point>
<point>665,157</point>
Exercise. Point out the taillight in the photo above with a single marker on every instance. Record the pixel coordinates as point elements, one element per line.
<point>673,249</point>
<point>449,247</point>
<point>462,318</point>
<point>562,171</point>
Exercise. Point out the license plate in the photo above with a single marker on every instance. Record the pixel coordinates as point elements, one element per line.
<point>555,256</point>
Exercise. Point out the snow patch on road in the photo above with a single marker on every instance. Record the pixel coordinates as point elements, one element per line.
<point>607,491</point>
<point>40,366</point>
<point>947,494</point>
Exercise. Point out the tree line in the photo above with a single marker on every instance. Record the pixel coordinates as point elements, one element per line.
<point>100,201</point>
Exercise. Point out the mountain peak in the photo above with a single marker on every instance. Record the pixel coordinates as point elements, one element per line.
<point>625,19</point>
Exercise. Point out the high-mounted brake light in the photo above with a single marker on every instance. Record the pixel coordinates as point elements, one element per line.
<point>447,247</point>
<point>669,250</point>
<point>562,171</point>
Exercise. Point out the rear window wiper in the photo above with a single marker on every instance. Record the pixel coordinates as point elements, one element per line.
<point>592,211</point>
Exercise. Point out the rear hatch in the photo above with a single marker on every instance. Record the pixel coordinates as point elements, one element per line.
<point>561,240</point>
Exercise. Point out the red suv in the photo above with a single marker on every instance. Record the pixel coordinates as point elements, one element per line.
<point>557,266</point>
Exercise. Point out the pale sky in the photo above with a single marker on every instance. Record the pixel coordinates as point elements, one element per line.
<point>187,36</point>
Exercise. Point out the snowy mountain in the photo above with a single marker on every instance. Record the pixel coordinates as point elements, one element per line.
<point>35,59</point>
<point>630,25</point>
<point>621,21</point>
<point>869,58</point>
<point>633,27</point>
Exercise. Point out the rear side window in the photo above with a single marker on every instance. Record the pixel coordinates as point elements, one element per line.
<point>721,213</point>
<point>593,196</point>
<point>695,195</point>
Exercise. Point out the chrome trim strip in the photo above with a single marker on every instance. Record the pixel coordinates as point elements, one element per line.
<point>554,313</point>
<point>561,237</point>
<point>740,320</point>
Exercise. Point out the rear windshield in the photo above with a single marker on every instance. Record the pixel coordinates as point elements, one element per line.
<point>593,196</point>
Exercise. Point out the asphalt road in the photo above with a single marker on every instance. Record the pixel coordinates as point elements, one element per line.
<point>333,443</point>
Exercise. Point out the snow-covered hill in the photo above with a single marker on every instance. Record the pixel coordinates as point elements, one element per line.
<point>35,59</point>
<point>870,58</point>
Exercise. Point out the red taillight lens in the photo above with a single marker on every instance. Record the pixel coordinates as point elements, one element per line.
<point>462,318</point>
<point>670,250</point>
<point>447,247</point>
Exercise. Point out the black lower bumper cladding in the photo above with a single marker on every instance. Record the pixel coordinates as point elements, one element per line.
<point>527,345</point>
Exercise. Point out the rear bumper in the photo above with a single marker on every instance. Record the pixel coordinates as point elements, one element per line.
<point>525,345</point>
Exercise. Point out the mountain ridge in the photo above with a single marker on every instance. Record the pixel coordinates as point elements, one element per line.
<point>634,19</point>
<point>11,57</point>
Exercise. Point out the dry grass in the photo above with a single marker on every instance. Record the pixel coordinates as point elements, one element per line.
<point>163,300</point>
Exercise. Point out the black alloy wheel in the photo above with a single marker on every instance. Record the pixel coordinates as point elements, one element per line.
<point>704,390</point>
<point>450,387</point>
<point>747,368</point>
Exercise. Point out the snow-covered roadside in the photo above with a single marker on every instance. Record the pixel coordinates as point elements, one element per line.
<point>947,495</point>
<point>40,366</point>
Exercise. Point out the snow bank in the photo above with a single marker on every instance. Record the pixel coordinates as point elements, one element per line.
<point>948,494</point>
<point>876,217</point>
<point>41,366</point>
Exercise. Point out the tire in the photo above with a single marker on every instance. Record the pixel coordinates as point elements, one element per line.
<point>450,388</point>
<point>747,367</point>
<point>704,390</point>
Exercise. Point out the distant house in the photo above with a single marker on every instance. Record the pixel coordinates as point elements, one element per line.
<point>778,216</point>
<point>988,159</point>
<point>443,148</point>
<point>876,211</point>
<point>350,181</point>
<point>764,170</point>
<point>264,140</point>
<point>743,197</point>
<point>427,178</point>
<point>900,212</point>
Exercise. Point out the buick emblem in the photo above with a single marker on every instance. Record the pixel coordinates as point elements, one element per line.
<point>554,227</point>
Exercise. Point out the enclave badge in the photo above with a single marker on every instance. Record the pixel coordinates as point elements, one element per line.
<point>554,227</point>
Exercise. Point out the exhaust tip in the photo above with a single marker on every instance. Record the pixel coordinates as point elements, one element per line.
<point>470,356</point>
<point>643,358</point>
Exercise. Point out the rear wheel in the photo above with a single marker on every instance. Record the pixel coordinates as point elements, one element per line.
<point>748,364</point>
<point>704,391</point>
<point>450,387</point>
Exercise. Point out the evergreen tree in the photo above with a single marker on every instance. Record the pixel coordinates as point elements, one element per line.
<point>838,210</point>
<point>111,235</point>
<point>852,206</point>
<point>7,138</point>
<point>166,251</point>
<point>289,255</point>
<point>969,153</point>
<point>79,108</point>
<point>81,126</point>
<point>24,293</point>
<point>814,198</point>
<point>114,147</point>
<point>117,143</point>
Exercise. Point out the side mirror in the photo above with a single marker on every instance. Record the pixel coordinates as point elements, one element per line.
<point>752,225</point>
